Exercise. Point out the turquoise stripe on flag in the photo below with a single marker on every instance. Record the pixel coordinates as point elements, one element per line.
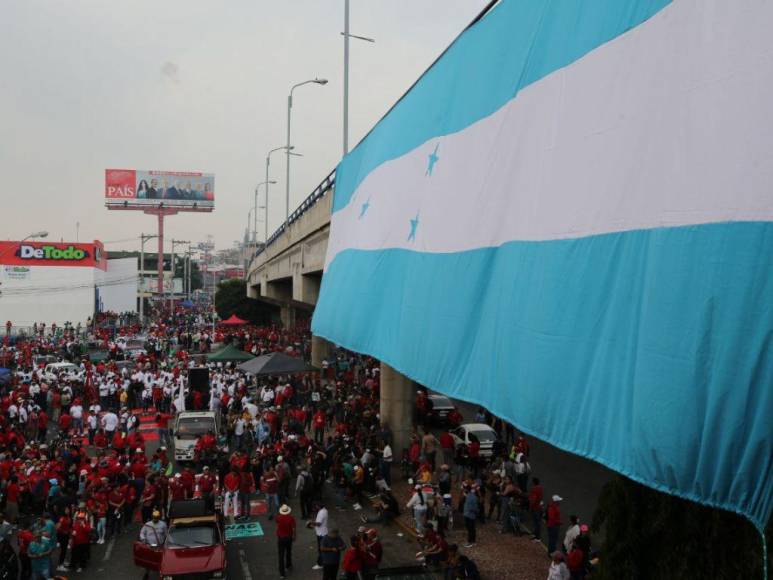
<point>648,351</point>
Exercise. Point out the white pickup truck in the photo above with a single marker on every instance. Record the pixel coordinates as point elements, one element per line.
<point>188,427</point>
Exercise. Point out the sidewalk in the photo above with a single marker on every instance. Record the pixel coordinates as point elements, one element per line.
<point>496,555</point>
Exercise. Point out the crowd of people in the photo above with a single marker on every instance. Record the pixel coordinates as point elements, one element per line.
<point>75,470</point>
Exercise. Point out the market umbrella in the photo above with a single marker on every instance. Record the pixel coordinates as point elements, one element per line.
<point>233,321</point>
<point>229,354</point>
<point>276,363</point>
<point>186,304</point>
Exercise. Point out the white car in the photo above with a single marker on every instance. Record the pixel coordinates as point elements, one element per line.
<point>485,435</point>
<point>54,370</point>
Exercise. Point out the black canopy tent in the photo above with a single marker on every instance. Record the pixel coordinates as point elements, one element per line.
<point>276,363</point>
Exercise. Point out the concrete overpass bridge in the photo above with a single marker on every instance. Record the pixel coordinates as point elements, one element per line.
<point>287,273</point>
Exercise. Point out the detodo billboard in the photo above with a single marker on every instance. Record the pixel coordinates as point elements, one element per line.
<point>141,189</point>
<point>47,254</point>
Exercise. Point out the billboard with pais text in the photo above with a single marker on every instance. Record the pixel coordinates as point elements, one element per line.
<point>141,189</point>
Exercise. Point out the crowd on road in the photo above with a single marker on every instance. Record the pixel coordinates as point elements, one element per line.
<point>75,469</point>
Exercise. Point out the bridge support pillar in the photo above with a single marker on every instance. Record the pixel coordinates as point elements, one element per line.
<point>398,398</point>
<point>320,350</point>
<point>287,316</point>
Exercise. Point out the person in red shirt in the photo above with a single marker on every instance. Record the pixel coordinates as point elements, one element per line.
<point>285,533</point>
<point>63,533</point>
<point>231,483</point>
<point>535,507</point>
<point>554,522</point>
<point>352,560</point>
<point>65,422</point>
<point>81,537</point>
<point>246,487</point>
<point>24,538</point>
<point>42,426</point>
<point>100,439</point>
<point>206,486</point>
<point>176,488</point>
<point>12,499</point>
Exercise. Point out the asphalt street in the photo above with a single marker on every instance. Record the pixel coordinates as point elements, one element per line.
<point>576,479</point>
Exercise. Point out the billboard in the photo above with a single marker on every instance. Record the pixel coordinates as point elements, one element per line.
<point>52,254</point>
<point>140,189</point>
<point>149,285</point>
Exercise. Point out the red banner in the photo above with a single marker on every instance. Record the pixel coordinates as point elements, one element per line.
<point>91,255</point>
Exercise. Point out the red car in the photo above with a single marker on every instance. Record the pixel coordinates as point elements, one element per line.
<point>194,545</point>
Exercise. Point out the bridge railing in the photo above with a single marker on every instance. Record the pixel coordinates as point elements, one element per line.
<point>319,192</point>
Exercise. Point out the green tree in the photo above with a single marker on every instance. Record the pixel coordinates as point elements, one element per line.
<point>231,298</point>
<point>650,535</point>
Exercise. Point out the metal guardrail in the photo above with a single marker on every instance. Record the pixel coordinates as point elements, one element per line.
<point>319,192</point>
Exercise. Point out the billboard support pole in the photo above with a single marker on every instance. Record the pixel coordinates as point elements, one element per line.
<point>161,211</point>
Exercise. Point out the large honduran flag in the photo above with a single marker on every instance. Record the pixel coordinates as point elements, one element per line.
<point>568,220</point>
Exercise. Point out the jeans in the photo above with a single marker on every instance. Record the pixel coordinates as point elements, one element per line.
<point>272,500</point>
<point>330,572</point>
<point>469,523</point>
<point>536,522</point>
<point>285,554</point>
<point>553,538</point>
<point>386,472</point>
<point>420,517</point>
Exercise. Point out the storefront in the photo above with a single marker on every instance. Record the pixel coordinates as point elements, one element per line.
<point>61,282</point>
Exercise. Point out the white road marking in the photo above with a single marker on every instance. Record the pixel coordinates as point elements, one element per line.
<point>109,549</point>
<point>245,567</point>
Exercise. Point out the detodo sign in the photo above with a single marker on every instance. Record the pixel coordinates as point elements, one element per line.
<point>51,253</point>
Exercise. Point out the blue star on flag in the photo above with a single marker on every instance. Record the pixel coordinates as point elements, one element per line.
<point>433,158</point>
<point>414,225</point>
<point>364,209</point>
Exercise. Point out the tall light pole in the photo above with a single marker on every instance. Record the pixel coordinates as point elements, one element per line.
<point>288,147</point>
<point>268,181</point>
<point>171,289</point>
<point>346,36</point>
<point>255,208</point>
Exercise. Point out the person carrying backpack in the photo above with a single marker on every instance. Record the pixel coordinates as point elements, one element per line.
<point>305,490</point>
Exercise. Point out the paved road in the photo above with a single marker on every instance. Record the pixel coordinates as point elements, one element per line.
<point>256,557</point>
<point>576,479</point>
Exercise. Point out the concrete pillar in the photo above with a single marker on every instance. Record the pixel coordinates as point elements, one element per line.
<point>398,399</point>
<point>320,350</point>
<point>287,316</point>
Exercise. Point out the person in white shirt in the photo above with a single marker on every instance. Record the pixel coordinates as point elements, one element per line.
<point>571,533</point>
<point>92,423</point>
<point>320,528</point>
<point>110,424</point>
<point>76,412</point>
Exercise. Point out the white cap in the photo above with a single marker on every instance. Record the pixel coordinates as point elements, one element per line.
<point>557,498</point>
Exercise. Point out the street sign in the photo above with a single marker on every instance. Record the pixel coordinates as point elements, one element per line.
<point>248,530</point>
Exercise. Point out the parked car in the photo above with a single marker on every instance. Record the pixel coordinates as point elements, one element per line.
<point>188,427</point>
<point>53,370</point>
<point>440,407</point>
<point>486,436</point>
<point>194,546</point>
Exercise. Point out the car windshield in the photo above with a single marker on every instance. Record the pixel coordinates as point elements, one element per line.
<point>484,436</point>
<point>190,536</point>
<point>192,427</point>
<point>441,402</point>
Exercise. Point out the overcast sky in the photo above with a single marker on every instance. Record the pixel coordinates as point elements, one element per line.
<point>191,85</point>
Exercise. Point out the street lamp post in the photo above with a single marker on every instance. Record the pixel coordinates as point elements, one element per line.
<point>255,208</point>
<point>171,286</point>
<point>346,36</point>
<point>288,147</point>
<point>268,181</point>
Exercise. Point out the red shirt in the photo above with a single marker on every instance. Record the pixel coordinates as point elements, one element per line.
<point>352,561</point>
<point>535,498</point>
<point>12,493</point>
<point>446,441</point>
<point>554,515</point>
<point>232,481</point>
<point>285,526</point>
<point>81,533</point>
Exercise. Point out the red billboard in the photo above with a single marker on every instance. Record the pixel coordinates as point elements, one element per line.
<point>140,189</point>
<point>91,255</point>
